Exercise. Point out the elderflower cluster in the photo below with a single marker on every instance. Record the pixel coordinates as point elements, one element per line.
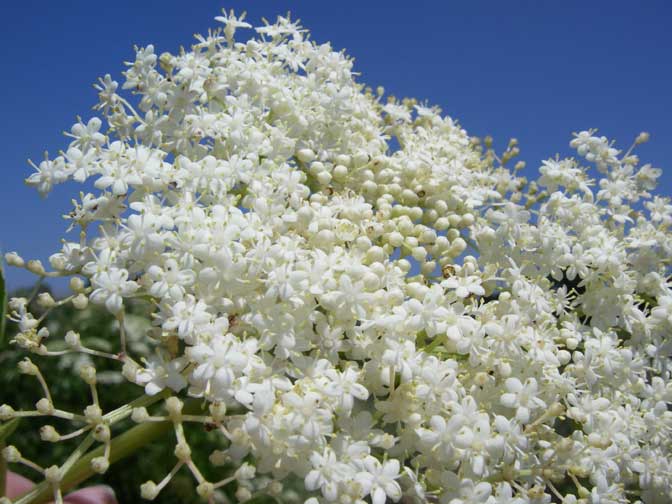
<point>377,322</point>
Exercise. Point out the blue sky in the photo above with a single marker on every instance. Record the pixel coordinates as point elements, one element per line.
<point>532,70</point>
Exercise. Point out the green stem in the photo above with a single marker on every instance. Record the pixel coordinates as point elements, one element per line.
<point>120,447</point>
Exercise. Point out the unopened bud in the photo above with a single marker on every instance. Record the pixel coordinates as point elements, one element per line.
<point>140,415</point>
<point>88,374</point>
<point>305,155</point>
<point>14,259</point>
<point>6,412</point>
<point>26,366</point>
<point>643,137</point>
<point>174,407</point>
<point>58,262</point>
<point>101,433</point>
<point>149,490</point>
<point>243,494</point>
<point>100,464</point>
<point>44,406</point>
<point>556,409</point>
<point>93,414</point>
<point>129,371</point>
<point>45,300</point>
<point>245,472</point>
<point>48,433</point>
<point>80,301</point>
<point>72,339</point>
<point>275,488</point>
<point>35,266</point>
<point>205,490</point>
<point>53,474</point>
<point>43,333</point>
<point>76,284</point>
<point>218,458</point>
<point>183,452</point>
<point>11,454</point>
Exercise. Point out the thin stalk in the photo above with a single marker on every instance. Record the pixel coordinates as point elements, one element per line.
<point>120,447</point>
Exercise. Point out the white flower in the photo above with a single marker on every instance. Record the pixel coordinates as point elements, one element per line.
<point>345,387</point>
<point>326,474</point>
<point>522,397</point>
<point>111,287</point>
<point>378,480</point>
<point>187,317</point>
<point>160,373</point>
<point>464,286</point>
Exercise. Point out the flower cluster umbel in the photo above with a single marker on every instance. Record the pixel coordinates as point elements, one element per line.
<point>417,323</point>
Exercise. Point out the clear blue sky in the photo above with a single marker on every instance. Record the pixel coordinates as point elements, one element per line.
<point>533,70</point>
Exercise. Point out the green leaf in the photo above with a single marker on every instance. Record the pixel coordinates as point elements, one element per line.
<point>8,428</point>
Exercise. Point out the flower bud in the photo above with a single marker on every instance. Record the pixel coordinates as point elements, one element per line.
<point>556,409</point>
<point>35,266</point>
<point>44,406</point>
<point>504,369</point>
<point>53,474</point>
<point>100,464</point>
<point>305,155</point>
<point>140,415</point>
<point>340,172</point>
<point>6,412</point>
<point>275,488</point>
<point>48,433</point>
<point>93,414</point>
<point>183,451</point>
<point>58,262</point>
<point>80,301</point>
<point>72,339</point>
<point>76,284</point>
<point>11,454</point>
<point>205,490</point>
<point>14,259</point>
<point>343,159</point>
<point>149,490</point>
<point>88,374</point>
<point>45,300</point>
<point>130,371</point>
<point>26,366</point>
<point>457,246</point>
<point>396,239</point>
<point>245,472</point>
<point>101,433</point>
<point>218,458</point>
<point>572,343</point>
<point>419,253</point>
<point>324,177</point>
<point>243,494</point>
<point>174,407</point>
<point>643,137</point>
